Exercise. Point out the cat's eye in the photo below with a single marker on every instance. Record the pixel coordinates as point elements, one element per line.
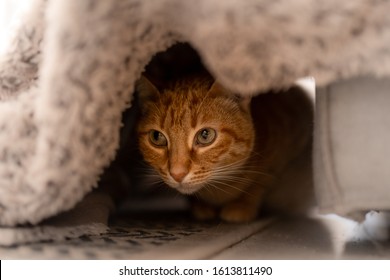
<point>205,136</point>
<point>157,138</point>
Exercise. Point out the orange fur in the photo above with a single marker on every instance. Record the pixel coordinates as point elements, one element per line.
<point>232,174</point>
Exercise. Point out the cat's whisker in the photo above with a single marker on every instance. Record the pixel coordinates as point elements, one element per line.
<point>147,171</point>
<point>231,175</point>
<point>156,182</point>
<point>257,172</point>
<point>236,163</point>
<point>242,163</point>
<point>230,186</point>
<point>242,173</point>
<point>241,170</point>
<point>208,188</point>
<point>236,180</point>
<point>255,154</point>
<point>160,186</point>
<point>214,186</point>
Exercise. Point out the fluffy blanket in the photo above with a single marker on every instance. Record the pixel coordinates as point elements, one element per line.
<point>69,70</point>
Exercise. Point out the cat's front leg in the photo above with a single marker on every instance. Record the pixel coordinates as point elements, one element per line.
<point>245,208</point>
<point>237,212</point>
<point>203,211</point>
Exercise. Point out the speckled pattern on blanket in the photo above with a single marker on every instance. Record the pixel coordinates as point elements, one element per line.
<point>69,71</point>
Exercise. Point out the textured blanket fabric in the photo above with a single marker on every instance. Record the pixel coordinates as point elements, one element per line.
<point>69,71</point>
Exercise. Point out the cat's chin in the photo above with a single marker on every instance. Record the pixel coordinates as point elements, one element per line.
<point>187,189</point>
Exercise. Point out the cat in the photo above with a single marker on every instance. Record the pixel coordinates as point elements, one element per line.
<point>225,150</point>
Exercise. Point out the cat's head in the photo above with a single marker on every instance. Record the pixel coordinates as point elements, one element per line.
<point>193,133</point>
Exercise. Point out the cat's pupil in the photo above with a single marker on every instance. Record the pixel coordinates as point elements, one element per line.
<point>156,135</point>
<point>205,134</point>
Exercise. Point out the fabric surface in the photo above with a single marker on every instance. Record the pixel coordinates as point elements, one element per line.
<point>142,237</point>
<point>90,216</point>
<point>351,140</point>
<point>69,69</point>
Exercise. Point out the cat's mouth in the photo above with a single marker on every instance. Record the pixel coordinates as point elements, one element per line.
<point>186,188</point>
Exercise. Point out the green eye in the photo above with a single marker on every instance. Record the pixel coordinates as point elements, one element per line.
<point>157,138</point>
<point>205,136</point>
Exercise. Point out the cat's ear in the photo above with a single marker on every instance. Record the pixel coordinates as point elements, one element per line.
<point>146,90</point>
<point>218,89</point>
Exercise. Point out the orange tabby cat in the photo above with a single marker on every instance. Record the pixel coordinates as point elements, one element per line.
<point>202,140</point>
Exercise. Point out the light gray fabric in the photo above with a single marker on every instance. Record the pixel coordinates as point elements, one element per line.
<point>70,68</point>
<point>88,217</point>
<point>352,166</point>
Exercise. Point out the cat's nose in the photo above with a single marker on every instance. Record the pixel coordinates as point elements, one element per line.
<point>178,174</point>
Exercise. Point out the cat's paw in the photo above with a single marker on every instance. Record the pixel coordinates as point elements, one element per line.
<point>238,213</point>
<point>203,212</point>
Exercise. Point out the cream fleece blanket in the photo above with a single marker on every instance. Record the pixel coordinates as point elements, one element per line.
<point>69,69</point>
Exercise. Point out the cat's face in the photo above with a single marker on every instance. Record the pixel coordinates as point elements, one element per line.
<point>193,134</point>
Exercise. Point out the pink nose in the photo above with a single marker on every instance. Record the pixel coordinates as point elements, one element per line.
<point>178,174</point>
